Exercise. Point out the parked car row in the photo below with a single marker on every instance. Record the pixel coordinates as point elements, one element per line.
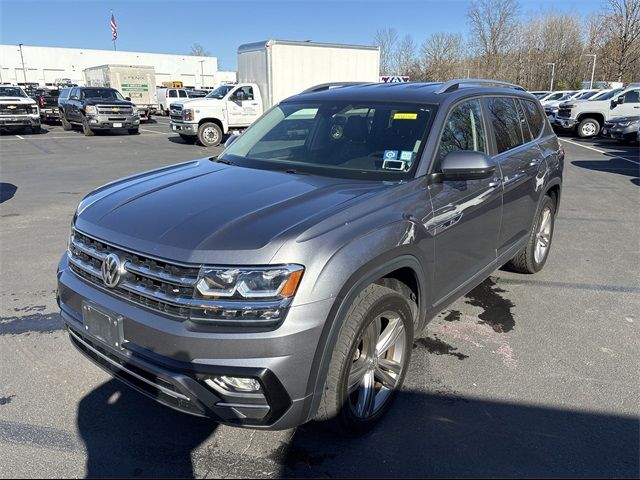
<point>613,113</point>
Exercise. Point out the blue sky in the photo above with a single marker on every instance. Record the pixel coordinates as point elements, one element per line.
<point>173,26</point>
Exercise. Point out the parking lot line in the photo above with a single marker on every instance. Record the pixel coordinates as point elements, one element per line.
<point>153,131</point>
<point>21,138</point>
<point>600,151</point>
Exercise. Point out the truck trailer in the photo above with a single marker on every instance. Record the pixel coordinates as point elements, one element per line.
<point>135,82</point>
<point>269,72</point>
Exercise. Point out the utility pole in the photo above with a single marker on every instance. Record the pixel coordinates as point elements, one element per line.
<point>24,71</point>
<point>553,74</point>
<point>593,70</point>
<point>201,73</point>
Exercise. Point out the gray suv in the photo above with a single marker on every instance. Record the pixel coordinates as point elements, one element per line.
<point>285,280</point>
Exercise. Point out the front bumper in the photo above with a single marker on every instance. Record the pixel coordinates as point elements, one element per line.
<point>20,121</point>
<point>566,123</point>
<point>617,132</point>
<point>49,114</point>
<point>184,128</point>
<point>108,122</point>
<point>171,360</point>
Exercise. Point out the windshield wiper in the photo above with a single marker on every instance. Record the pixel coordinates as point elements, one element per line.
<point>221,160</point>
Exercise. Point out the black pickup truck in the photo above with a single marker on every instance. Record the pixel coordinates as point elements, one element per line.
<point>47,100</point>
<point>98,108</point>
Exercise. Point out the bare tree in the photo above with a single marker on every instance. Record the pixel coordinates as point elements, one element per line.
<point>441,56</point>
<point>622,26</point>
<point>386,39</point>
<point>404,56</point>
<point>198,50</point>
<point>493,25</point>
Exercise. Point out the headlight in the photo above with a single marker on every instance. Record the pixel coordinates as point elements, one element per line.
<point>569,106</point>
<point>90,109</point>
<point>629,123</point>
<point>187,115</point>
<point>34,109</point>
<point>273,282</point>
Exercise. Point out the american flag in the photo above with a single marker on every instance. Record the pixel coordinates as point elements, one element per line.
<point>114,28</point>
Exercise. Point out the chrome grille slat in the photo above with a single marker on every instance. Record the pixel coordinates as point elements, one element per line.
<point>159,275</point>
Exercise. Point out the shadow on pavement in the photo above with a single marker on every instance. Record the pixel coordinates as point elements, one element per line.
<point>7,191</point>
<point>613,165</point>
<point>424,435</point>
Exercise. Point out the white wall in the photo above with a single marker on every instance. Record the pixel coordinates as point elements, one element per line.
<point>45,64</point>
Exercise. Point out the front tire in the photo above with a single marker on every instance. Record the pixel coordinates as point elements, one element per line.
<point>533,256</point>
<point>209,134</point>
<point>369,362</point>
<point>65,124</point>
<point>86,129</point>
<point>588,128</point>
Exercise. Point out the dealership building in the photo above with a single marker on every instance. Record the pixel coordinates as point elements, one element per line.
<point>43,65</point>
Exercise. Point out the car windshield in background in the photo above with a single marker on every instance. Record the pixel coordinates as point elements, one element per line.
<point>11,92</point>
<point>586,95</point>
<point>106,93</point>
<point>220,92</point>
<point>352,140</point>
<point>608,95</point>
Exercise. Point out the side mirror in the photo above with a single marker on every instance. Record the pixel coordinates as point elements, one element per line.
<point>466,165</point>
<point>128,99</point>
<point>617,101</point>
<point>73,97</point>
<point>230,140</point>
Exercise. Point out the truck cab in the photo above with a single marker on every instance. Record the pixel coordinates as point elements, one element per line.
<point>587,118</point>
<point>227,108</point>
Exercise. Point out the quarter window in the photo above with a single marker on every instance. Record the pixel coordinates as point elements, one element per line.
<point>463,130</point>
<point>533,116</point>
<point>506,123</point>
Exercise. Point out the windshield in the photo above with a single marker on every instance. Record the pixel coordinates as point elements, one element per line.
<point>220,92</point>
<point>107,93</point>
<point>350,140</point>
<point>539,95</point>
<point>586,95</point>
<point>11,92</point>
<point>608,95</point>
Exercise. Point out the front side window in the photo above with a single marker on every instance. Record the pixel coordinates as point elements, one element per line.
<point>504,117</point>
<point>182,94</point>
<point>336,138</point>
<point>632,96</point>
<point>463,130</point>
<point>173,94</point>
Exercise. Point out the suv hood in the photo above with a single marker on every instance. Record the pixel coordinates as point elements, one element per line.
<point>207,212</point>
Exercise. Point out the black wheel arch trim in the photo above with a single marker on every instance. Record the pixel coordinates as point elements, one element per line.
<point>367,274</point>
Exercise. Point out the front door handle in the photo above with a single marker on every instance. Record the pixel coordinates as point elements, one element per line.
<point>496,182</point>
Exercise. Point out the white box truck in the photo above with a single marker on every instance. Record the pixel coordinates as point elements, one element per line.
<point>269,72</point>
<point>135,82</point>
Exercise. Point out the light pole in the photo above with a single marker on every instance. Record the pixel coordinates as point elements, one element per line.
<point>593,70</point>
<point>24,71</point>
<point>553,74</point>
<point>201,73</point>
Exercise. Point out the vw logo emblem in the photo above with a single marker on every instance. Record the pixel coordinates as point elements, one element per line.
<point>112,270</point>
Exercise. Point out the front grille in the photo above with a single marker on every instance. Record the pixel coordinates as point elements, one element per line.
<point>176,112</point>
<point>16,110</point>
<point>157,285</point>
<point>564,112</point>
<point>111,109</point>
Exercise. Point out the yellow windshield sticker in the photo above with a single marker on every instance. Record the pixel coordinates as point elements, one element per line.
<point>405,116</point>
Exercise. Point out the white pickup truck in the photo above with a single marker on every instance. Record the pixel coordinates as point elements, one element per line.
<point>227,108</point>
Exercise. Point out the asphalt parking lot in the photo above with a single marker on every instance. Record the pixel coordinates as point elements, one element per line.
<point>525,376</point>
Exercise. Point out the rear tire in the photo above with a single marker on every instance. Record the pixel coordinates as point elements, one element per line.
<point>209,134</point>
<point>86,129</point>
<point>369,361</point>
<point>588,128</point>
<point>533,256</point>
<point>65,124</point>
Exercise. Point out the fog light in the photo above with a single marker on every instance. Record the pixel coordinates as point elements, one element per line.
<point>238,384</point>
<point>93,120</point>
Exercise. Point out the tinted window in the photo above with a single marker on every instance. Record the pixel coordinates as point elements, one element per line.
<point>506,123</point>
<point>632,96</point>
<point>247,91</point>
<point>173,94</point>
<point>526,134</point>
<point>74,92</point>
<point>533,116</point>
<point>182,94</point>
<point>463,129</point>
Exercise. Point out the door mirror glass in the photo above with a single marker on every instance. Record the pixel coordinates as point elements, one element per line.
<point>466,165</point>
<point>127,98</point>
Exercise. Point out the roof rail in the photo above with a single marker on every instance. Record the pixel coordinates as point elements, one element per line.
<point>452,85</point>
<point>330,85</point>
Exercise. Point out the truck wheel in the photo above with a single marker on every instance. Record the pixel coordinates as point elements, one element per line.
<point>588,128</point>
<point>534,255</point>
<point>37,129</point>
<point>369,361</point>
<point>209,134</point>
<point>65,124</point>
<point>86,129</point>
<point>191,139</point>
<point>133,131</point>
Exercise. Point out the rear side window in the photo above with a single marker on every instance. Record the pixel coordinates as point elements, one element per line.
<point>506,123</point>
<point>463,129</point>
<point>182,94</point>
<point>533,116</point>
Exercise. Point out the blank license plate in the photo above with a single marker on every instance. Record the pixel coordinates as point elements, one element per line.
<point>117,125</point>
<point>101,325</point>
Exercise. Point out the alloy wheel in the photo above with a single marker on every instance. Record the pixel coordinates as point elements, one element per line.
<point>543,236</point>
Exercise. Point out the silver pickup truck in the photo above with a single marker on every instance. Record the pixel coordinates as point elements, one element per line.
<point>17,110</point>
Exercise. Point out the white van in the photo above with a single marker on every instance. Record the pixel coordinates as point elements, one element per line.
<point>166,96</point>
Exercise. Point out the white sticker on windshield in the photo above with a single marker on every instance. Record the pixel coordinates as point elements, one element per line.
<point>406,155</point>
